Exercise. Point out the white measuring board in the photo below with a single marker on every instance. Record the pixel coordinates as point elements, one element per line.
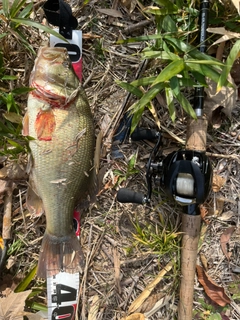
<point>62,295</point>
<point>74,48</point>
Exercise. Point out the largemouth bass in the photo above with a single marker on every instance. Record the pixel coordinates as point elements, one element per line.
<point>59,119</point>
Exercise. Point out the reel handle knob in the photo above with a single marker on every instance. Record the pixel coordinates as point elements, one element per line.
<point>125,195</point>
<point>144,134</point>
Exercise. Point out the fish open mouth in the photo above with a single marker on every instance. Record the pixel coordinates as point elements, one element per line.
<point>55,100</point>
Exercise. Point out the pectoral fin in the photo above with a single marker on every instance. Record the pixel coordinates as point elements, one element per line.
<point>25,129</point>
<point>45,125</point>
<point>33,201</point>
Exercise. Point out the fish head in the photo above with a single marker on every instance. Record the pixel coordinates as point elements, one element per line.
<point>53,77</point>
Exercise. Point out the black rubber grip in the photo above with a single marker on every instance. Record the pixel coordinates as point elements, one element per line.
<point>125,195</point>
<point>143,134</point>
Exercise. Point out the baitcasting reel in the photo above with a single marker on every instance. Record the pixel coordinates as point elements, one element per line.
<point>185,175</point>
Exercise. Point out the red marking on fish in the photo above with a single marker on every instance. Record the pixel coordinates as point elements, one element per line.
<point>45,125</point>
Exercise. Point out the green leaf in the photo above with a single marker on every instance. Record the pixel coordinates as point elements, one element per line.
<point>16,7</point>
<point>163,55</point>
<point>5,8</point>
<point>16,145</point>
<point>205,70</point>
<point>39,26</point>
<point>170,71</point>
<point>148,96</point>
<point>25,13</point>
<point>166,3</point>
<point>3,35</point>
<point>160,11</point>
<point>215,316</point>
<point>199,77</point>
<point>174,84</point>
<point>10,101</point>
<point>25,282</point>
<point>6,77</point>
<point>132,162</point>
<point>141,38</point>
<point>13,117</point>
<point>137,114</point>
<point>170,103</point>
<point>130,88</point>
<point>228,66</point>
<point>206,62</point>
<point>36,306</point>
<point>169,25</point>
<point>146,81</point>
<point>22,90</point>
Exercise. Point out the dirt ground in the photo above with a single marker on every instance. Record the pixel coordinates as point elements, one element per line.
<point>118,266</point>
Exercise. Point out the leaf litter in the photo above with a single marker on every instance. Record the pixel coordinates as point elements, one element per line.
<point>119,273</point>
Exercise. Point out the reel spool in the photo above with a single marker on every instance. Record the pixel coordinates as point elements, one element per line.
<point>187,176</point>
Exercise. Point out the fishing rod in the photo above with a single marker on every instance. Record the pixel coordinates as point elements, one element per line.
<point>186,176</point>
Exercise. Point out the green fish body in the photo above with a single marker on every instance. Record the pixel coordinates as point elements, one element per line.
<point>60,121</point>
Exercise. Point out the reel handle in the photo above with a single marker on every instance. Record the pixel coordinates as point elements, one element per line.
<point>144,134</point>
<point>125,195</point>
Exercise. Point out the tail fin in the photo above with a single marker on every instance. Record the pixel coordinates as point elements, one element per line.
<point>60,254</point>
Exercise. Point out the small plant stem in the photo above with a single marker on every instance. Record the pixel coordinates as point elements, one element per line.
<point>7,216</point>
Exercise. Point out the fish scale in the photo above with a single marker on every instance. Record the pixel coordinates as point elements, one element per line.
<point>62,153</point>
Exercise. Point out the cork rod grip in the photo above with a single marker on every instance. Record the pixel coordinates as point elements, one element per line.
<point>196,140</point>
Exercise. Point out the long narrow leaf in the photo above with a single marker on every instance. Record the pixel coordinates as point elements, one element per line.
<point>130,88</point>
<point>151,94</point>
<point>146,81</point>
<point>137,114</point>
<point>170,71</point>
<point>190,50</point>
<point>166,3</point>
<point>141,38</point>
<point>25,282</point>
<point>25,13</point>
<point>174,84</point>
<point>6,8</point>
<point>230,60</point>
<point>209,62</point>
<point>40,26</point>
<point>3,35</point>
<point>15,7</point>
<point>170,103</point>
<point>160,11</point>
<point>163,55</point>
<point>205,70</point>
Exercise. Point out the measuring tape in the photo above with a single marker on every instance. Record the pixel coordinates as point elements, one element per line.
<point>62,295</point>
<point>63,288</point>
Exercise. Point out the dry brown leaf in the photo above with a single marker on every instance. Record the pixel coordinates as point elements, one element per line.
<point>33,316</point>
<point>3,185</point>
<point>135,316</point>
<point>111,12</point>
<point>214,291</point>
<point>225,98</point>
<point>12,307</point>
<point>94,302</point>
<point>224,239</point>
<point>203,213</point>
<point>147,291</point>
<point>13,171</point>
<point>226,35</point>
<point>150,302</point>
<point>236,5</point>
<point>217,183</point>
